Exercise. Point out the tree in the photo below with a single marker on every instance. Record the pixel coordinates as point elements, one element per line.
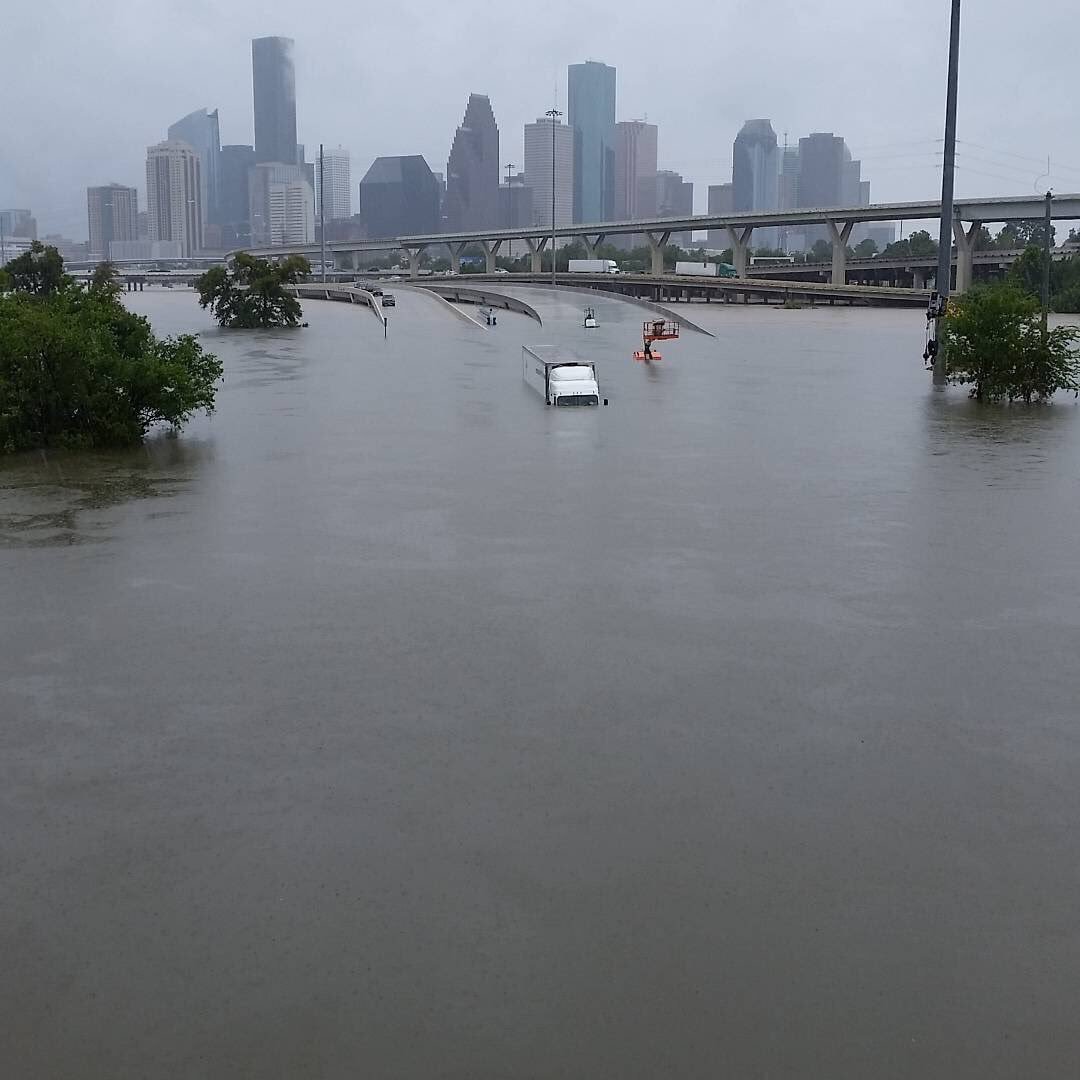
<point>922,244</point>
<point>1027,274</point>
<point>821,251</point>
<point>79,369</point>
<point>103,279</point>
<point>253,293</point>
<point>866,249</point>
<point>39,271</point>
<point>995,343</point>
<point>1023,234</point>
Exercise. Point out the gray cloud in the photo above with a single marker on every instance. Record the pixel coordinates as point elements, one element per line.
<point>101,81</point>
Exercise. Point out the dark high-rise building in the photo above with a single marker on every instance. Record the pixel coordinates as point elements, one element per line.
<point>674,198</point>
<point>515,203</point>
<point>472,170</point>
<point>200,130</point>
<point>237,162</point>
<point>113,214</point>
<point>822,170</point>
<point>721,201</point>
<point>274,87</point>
<point>755,167</point>
<point>591,107</point>
<point>755,174</point>
<point>399,196</point>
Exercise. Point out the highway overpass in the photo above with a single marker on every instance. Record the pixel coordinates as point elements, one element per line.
<point>970,215</point>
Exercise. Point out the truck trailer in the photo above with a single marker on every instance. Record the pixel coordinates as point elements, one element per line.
<point>559,376</point>
<point>593,266</point>
<point>696,269</point>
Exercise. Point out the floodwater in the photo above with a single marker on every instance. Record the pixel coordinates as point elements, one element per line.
<point>388,724</point>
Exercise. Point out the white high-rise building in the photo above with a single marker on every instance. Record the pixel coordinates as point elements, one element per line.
<point>336,183</point>
<point>538,140</point>
<point>174,194</point>
<point>282,205</point>
<point>292,217</point>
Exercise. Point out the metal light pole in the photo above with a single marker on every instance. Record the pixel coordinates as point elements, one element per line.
<point>554,114</point>
<point>1047,249</point>
<point>322,212</point>
<point>948,177</point>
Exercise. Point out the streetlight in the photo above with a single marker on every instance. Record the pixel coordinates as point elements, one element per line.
<point>939,304</point>
<point>554,114</point>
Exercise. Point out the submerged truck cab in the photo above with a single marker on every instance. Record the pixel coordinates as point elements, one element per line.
<point>561,378</point>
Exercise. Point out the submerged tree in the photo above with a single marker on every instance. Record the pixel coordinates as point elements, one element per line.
<point>253,294</point>
<point>995,343</point>
<point>78,369</point>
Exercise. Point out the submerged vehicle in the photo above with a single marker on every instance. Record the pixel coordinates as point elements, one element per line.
<point>590,318</point>
<point>559,376</point>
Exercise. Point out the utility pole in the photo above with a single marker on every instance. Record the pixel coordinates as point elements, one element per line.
<point>554,114</point>
<point>939,302</point>
<point>1047,250</point>
<point>322,212</point>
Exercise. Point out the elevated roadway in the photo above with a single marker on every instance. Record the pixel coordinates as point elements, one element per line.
<point>971,214</point>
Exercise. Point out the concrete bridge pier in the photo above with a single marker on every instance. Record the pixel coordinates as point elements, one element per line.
<point>965,253</point>
<point>414,251</point>
<point>656,241</point>
<point>918,277</point>
<point>491,249</point>
<point>840,236</point>
<point>536,252</point>
<point>740,247</point>
<point>592,243</point>
<point>455,255</point>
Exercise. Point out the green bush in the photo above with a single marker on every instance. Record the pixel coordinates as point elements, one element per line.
<point>79,369</point>
<point>995,343</point>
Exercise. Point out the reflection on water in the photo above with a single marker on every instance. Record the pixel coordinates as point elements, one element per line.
<point>52,498</point>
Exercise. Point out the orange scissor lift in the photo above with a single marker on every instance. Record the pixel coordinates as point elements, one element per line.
<point>656,330</point>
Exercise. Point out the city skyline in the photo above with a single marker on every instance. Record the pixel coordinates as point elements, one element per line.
<point>52,165</point>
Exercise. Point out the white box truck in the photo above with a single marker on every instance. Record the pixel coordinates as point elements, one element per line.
<point>559,376</point>
<point>593,266</point>
<point>696,269</point>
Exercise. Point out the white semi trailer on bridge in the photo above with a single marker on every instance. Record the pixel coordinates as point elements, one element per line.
<point>560,377</point>
<point>697,269</point>
<point>593,266</point>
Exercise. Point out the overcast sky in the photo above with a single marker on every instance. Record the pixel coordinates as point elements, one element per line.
<point>91,84</point>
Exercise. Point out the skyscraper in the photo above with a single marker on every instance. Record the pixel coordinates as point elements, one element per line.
<point>18,223</point>
<point>721,201</point>
<point>282,204</point>
<point>274,88</point>
<point>113,215</point>
<point>538,145</point>
<point>635,170</point>
<point>755,167</point>
<point>200,130</point>
<point>823,160</point>
<point>399,196</point>
<point>472,170</point>
<point>755,174</point>
<point>591,108</point>
<point>174,195</point>
<point>674,198</point>
<point>237,161</point>
<point>336,184</point>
